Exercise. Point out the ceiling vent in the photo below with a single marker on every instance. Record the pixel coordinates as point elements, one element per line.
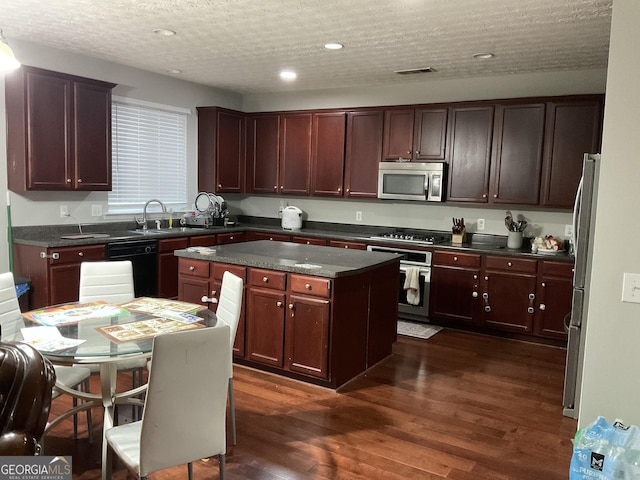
<point>412,71</point>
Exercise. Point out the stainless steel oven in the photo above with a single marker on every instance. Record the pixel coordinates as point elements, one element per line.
<point>421,260</point>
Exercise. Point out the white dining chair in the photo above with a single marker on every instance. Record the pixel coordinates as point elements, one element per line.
<point>11,322</point>
<point>228,313</point>
<point>185,406</point>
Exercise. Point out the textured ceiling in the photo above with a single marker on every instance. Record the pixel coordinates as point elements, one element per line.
<point>242,45</point>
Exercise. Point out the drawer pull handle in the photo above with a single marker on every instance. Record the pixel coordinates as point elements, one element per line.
<point>455,259</point>
<point>206,299</point>
<point>544,284</point>
<point>192,268</point>
<point>307,286</point>
<point>530,310</point>
<point>487,309</point>
<point>265,279</point>
<point>474,294</point>
<point>278,304</point>
<point>510,264</point>
<point>81,254</point>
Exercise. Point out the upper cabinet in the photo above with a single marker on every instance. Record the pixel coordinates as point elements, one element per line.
<point>414,134</point>
<point>58,131</point>
<point>469,153</point>
<point>516,165</point>
<point>221,144</point>
<point>363,152</point>
<point>279,153</point>
<point>573,128</point>
<point>327,153</point>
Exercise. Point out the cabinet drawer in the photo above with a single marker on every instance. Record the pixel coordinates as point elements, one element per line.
<point>87,253</point>
<point>557,269</point>
<point>194,268</point>
<point>171,244</point>
<point>309,240</point>
<point>202,241</point>
<point>345,244</point>
<point>224,238</point>
<point>220,268</point>
<point>456,259</point>
<point>511,264</point>
<point>310,285</point>
<point>267,279</point>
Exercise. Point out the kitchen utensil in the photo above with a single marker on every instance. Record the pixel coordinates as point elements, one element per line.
<point>508,220</point>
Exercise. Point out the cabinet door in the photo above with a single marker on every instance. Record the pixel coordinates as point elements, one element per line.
<point>555,289</point>
<point>168,266</point>
<point>49,126</point>
<point>398,135</point>
<point>363,153</point>
<point>263,151</point>
<point>265,326</point>
<point>307,335</point>
<point>192,289</point>
<point>64,282</point>
<point>430,134</point>
<point>327,158</point>
<point>92,137</point>
<point>509,301</point>
<point>295,153</point>
<point>229,152</point>
<point>469,153</point>
<point>454,294</point>
<point>517,155</point>
<point>573,128</point>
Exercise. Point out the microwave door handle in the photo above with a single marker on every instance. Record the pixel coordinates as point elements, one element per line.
<point>427,178</point>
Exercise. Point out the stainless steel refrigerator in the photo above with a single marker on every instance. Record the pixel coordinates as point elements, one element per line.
<point>575,321</point>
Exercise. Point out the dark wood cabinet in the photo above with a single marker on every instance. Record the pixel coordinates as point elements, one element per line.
<point>573,128</point>
<point>553,297</point>
<point>309,240</point>
<point>455,279</point>
<point>221,150</point>
<point>295,153</point>
<point>363,153</point>
<point>509,293</point>
<point>276,237</point>
<point>168,266</point>
<point>516,165</point>
<point>263,153</point>
<point>327,156</point>
<point>54,272</point>
<point>265,326</point>
<point>235,237</point>
<point>58,131</point>
<point>415,134</point>
<point>469,153</point>
<point>347,244</point>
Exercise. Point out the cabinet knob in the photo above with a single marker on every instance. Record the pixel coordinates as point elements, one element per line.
<point>543,306</point>
<point>532,296</point>
<point>347,190</point>
<point>79,180</point>
<point>409,152</point>
<point>265,279</point>
<point>346,246</point>
<point>219,185</point>
<point>308,242</point>
<point>487,309</point>
<point>475,277</point>
<point>543,284</point>
<point>485,296</point>
<point>81,254</point>
<point>231,237</point>
<point>417,152</point>
<point>339,189</point>
<point>291,306</point>
<point>68,180</point>
<point>192,268</point>
<point>275,187</point>
<point>307,286</point>
<point>278,304</point>
<point>530,310</point>
<point>474,294</point>
<point>509,264</point>
<point>484,195</point>
<point>495,195</point>
<point>455,259</point>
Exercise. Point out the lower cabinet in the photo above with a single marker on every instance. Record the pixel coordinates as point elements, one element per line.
<point>345,244</point>
<point>168,266</point>
<point>54,272</point>
<point>455,287</point>
<point>554,291</point>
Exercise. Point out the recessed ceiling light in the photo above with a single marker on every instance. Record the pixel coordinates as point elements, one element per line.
<point>173,71</point>
<point>333,46</point>
<point>288,75</point>
<point>483,56</point>
<point>164,32</point>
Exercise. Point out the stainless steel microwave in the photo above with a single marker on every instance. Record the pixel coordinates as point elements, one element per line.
<point>411,181</point>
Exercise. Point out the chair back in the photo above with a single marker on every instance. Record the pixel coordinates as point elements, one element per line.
<point>229,306</point>
<point>108,281</point>
<point>185,405</point>
<point>10,315</point>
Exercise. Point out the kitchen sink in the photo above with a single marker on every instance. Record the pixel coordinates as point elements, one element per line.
<point>152,232</point>
<point>81,236</point>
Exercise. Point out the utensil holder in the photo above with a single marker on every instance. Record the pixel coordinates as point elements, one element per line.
<point>459,238</point>
<point>514,240</point>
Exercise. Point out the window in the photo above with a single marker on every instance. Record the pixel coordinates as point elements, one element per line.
<point>149,155</point>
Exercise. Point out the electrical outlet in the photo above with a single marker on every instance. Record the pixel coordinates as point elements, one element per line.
<point>480,224</point>
<point>631,287</point>
<point>358,216</point>
<point>64,211</point>
<point>568,230</point>
<point>96,210</point>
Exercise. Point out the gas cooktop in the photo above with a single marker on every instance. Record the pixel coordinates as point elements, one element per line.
<point>414,237</point>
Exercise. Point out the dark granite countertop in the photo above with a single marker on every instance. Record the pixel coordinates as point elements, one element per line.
<point>48,236</point>
<point>292,257</point>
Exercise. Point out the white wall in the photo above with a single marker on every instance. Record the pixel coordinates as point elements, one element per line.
<point>612,354</point>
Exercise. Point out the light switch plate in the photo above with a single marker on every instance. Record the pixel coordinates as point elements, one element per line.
<point>568,230</point>
<point>631,287</point>
<point>358,216</point>
<point>64,211</point>
<point>480,224</point>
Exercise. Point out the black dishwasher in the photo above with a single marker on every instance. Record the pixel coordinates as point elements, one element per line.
<point>143,256</point>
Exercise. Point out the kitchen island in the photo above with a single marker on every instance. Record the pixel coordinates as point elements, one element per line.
<point>319,314</point>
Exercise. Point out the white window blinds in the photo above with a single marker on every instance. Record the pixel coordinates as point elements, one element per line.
<point>149,157</point>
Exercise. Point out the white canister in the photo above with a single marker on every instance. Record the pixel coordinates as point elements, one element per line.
<point>514,240</point>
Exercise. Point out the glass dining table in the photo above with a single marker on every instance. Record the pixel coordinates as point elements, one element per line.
<point>115,334</point>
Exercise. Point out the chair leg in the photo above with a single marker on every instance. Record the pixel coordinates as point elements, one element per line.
<point>190,470</point>
<point>86,385</point>
<point>232,412</point>
<point>221,466</point>
<point>108,466</point>
<point>74,402</point>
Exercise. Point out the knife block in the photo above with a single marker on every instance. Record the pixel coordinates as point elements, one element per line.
<point>459,238</point>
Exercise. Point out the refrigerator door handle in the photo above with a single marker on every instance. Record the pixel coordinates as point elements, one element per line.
<point>576,212</point>
<point>567,322</point>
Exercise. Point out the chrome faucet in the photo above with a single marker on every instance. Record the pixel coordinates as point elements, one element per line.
<point>143,222</point>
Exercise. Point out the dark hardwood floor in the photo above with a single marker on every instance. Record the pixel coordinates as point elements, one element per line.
<point>457,406</point>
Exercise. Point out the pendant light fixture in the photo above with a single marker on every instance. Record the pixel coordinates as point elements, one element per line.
<point>8,60</point>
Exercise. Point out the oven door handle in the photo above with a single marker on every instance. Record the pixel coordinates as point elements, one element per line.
<point>424,272</point>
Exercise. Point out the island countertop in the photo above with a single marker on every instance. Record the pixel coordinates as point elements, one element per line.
<point>314,260</point>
